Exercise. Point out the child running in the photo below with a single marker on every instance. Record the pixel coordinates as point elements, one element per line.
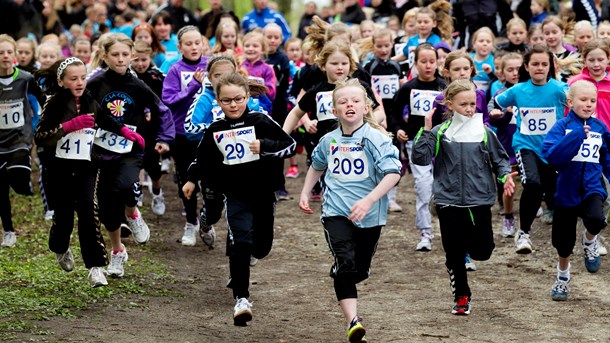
<point>466,155</point>
<point>361,165</point>
<point>242,143</point>
<point>539,104</point>
<point>66,128</point>
<point>577,147</point>
<point>124,98</point>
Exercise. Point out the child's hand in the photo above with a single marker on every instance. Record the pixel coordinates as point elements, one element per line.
<point>304,204</point>
<point>360,209</point>
<point>311,126</point>
<point>495,114</point>
<point>161,148</point>
<point>255,146</point>
<point>199,74</point>
<point>587,128</point>
<point>401,135</point>
<point>428,119</point>
<point>486,68</point>
<point>188,189</point>
<point>509,185</point>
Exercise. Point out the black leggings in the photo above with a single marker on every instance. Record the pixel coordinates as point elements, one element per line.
<point>62,176</point>
<point>539,180</point>
<point>184,152</point>
<point>118,187</point>
<point>15,170</point>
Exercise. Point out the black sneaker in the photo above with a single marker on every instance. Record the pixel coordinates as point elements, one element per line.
<point>356,331</point>
<point>462,306</point>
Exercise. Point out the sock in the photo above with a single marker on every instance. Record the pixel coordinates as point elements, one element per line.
<point>134,216</point>
<point>118,251</point>
<point>156,191</point>
<point>564,274</point>
<point>509,215</point>
<point>586,241</point>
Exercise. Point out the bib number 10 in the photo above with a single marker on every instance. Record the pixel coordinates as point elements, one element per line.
<point>11,119</point>
<point>237,151</point>
<point>347,166</point>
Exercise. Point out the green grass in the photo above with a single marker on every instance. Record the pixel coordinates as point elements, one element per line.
<point>34,288</point>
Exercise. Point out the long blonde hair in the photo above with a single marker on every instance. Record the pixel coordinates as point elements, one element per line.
<point>368,116</point>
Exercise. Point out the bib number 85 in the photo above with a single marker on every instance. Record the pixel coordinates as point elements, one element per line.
<point>536,125</point>
<point>237,151</point>
<point>346,166</point>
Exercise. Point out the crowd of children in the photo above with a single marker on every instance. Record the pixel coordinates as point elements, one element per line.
<point>366,102</point>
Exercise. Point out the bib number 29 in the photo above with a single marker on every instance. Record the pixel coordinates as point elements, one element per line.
<point>237,151</point>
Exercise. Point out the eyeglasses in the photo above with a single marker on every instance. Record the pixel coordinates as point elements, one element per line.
<point>227,101</point>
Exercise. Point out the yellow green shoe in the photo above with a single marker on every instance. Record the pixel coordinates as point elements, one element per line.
<point>356,331</point>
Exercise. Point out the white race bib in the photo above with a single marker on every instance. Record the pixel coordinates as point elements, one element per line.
<point>113,142</point>
<point>76,145</point>
<point>589,149</point>
<point>324,106</point>
<point>11,115</point>
<point>348,162</point>
<point>399,47</point>
<point>482,85</point>
<point>185,78</point>
<point>411,57</point>
<point>422,101</point>
<point>386,85</point>
<point>235,145</point>
<point>537,121</point>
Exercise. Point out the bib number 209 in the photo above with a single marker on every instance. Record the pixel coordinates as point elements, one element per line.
<point>346,166</point>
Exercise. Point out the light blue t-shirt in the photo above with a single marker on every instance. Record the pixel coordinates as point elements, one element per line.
<point>409,49</point>
<point>538,108</point>
<point>354,167</point>
<point>481,79</point>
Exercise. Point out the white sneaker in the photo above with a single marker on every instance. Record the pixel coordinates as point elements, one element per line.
<point>523,243</point>
<point>425,242</point>
<point>242,312</point>
<point>394,207</point>
<point>207,234</point>
<point>138,228</point>
<point>508,227</point>
<point>601,249</point>
<point>189,239</point>
<point>158,204</point>
<point>48,215</point>
<point>8,239</point>
<point>470,266</point>
<point>165,164</point>
<point>97,277</point>
<point>66,260</point>
<point>253,261</point>
<point>140,200</point>
<point>540,212</point>
<point>115,268</point>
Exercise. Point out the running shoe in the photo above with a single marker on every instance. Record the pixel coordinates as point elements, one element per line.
<point>282,194</point>
<point>394,207</point>
<point>140,200</point>
<point>462,306</point>
<point>48,215</point>
<point>356,331</point>
<point>97,277</point>
<point>547,217</point>
<point>253,261</point>
<point>158,204</point>
<point>293,172</point>
<point>207,234</point>
<point>242,312</point>
<point>189,238</point>
<point>591,255</point>
<point>117,261</point>
<point>138,227</point>
<point>508,227</point>
<point>8,239</point>
<point>425,242</point>
<point>66,260</point>
<point>523,243</point>
<point>560,289</point>
<point>539,213</point>
<point>165,165</point>
<point>470,266</point>
<point>125,230</point>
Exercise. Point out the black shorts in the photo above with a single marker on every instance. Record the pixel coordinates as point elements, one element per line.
<point>16,168</point>
<point>118,187</point>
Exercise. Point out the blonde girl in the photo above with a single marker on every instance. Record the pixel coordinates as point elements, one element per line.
<point>466,155</point>
<point>583,33</point>
<point>145,32</point>
<point>26,50</point>
<point>603,30</point>
<point>354,213</point>
<point>535,35</point>
<point>47,54</point>
<point>554,29</point>
<point>483,41</point>
<point>516,31</point>
<point>227,38</point>
<point>255,51</point>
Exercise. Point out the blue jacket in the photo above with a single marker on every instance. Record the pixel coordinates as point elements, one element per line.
<point>256,19</point>
<point>579,160</point>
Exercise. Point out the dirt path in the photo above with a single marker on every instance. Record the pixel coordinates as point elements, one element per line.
<point>407,297</point>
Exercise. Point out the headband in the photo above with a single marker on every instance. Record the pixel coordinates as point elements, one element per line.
<point>65,64</point>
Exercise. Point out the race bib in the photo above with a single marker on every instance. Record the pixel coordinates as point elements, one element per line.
<point>235,145</point>
<point>537,121</point>
<point>482,85</point>
<point>76,145</point>
<point>170,55</point>
<point>348,162</point>
<point>324,106</point>
<point>399,47</point>
<point>185,78</point>
<point>411,57</point>
<point>257,79</point>
<point>113,142</point>
<point>386,85</point>
<point>589,149</point>
<point>11,115</point>
<point>422,101</point>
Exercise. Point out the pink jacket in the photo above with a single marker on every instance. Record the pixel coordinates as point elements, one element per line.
<point>263,73</point>
<point>603,93</point>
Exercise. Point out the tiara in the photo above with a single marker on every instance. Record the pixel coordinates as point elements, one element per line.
<point>63,65</point>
